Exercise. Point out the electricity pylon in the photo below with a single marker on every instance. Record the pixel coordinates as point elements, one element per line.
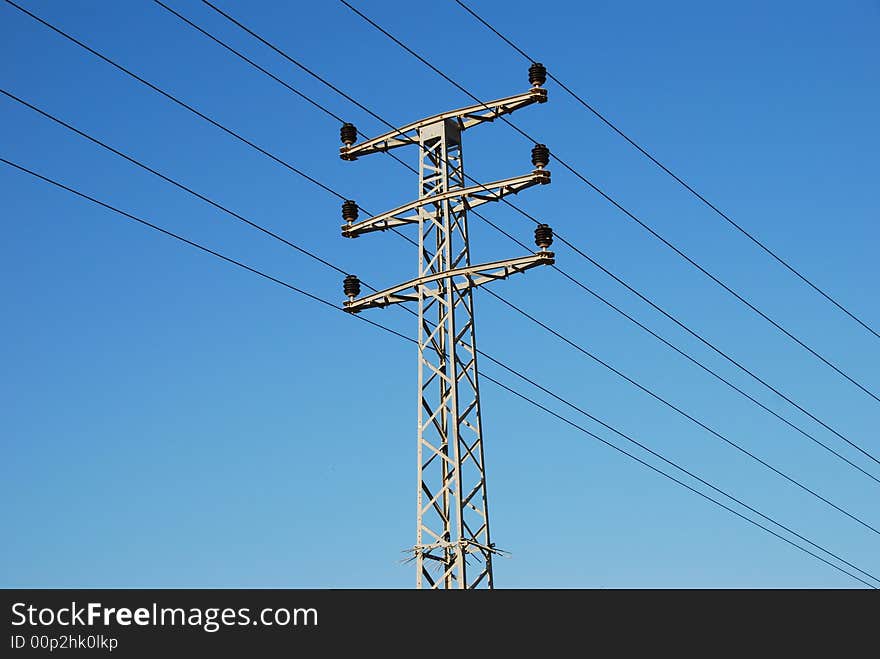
<point>452,503</point>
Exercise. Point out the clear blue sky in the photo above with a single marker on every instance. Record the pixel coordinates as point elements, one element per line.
<point>170,420</point>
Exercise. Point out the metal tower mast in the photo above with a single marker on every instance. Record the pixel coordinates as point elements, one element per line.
<point>452,529</point>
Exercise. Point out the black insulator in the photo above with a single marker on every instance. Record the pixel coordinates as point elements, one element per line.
<point>348,134</point>
<point>351,286</point>
<point>349,210</point>
<point>540,156</point>
<point>537,74</point>
<point>543,236</point>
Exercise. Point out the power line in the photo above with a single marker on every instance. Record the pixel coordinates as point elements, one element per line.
<point>285,84</point>
<point>713,373</point>
<point>280,52</point>
<point>304,97</point>
<point>170,180</point>
<point>496,382</point>
<point>342,271</point>
<point>721,353</point>
<point>684,184</point>
<point>680,411</point>
<point>562,272</point>
<point>181,186</point>
<point>296,170</point>
<point>580,284</point>
<point>180,238</point>
<point>190,108</point>
<point>336,89</point>
<point>290,59</point>
<point>646,464</point>
<point>632,440</point>
<point>173,98</point>
<point>304,251</point>
<point>621,208</point>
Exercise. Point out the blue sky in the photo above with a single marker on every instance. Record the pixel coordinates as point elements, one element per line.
<point>170,420</point>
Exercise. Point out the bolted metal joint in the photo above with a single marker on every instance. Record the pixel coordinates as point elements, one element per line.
<point>540,156</point>
<point>351,287</point>
<point>537,74</point>
<point>543,236</point>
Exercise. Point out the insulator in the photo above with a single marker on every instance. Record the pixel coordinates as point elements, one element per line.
<point>540,156</point>
<point>351,286</point>
<point>349,211</point>
<point>348,134</point>
<point>543,236</point>
<point>537,74</point>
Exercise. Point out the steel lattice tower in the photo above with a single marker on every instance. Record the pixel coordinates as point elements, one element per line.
<point>452,503</point>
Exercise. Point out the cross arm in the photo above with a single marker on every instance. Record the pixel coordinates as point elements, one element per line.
<point>466,117</point>
<point>461,278</point>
